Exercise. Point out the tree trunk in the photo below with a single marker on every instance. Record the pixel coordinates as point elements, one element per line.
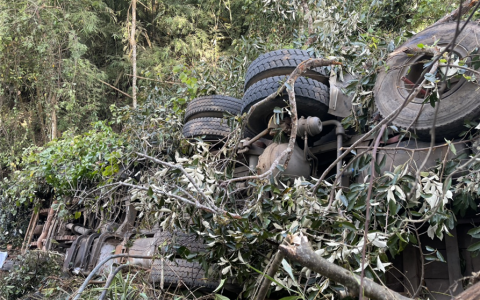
<point>308,17</point>
<point>466,6</point>
<point>272,270</point>
<point>133,44</point>
<point>54,116</point>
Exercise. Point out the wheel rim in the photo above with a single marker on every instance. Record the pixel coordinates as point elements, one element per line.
<point>414,68</point>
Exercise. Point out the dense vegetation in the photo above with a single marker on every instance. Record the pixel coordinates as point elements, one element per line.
<point>67,135</point>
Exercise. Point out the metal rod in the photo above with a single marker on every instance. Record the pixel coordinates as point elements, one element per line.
<point>110,280</point>
<point>78,229</point>
<point>340,132</point>
<point>99,265</point>
<point>255,138</point>
<point>339,153</point>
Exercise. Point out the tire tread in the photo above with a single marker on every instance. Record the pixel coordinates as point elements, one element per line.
<point>214,104</point>
<point>287,59</point>
<point>211,128</point>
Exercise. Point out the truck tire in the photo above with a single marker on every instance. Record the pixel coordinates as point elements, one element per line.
<point>181,272</point>
<point>213,129</point>
<point>281,62</point>
<point>459,101</point>
<point>166,239</point>
<point>311,96</point>
<point>212,106</point>
<point>247,133</point>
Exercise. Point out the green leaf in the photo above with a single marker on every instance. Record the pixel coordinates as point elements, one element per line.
<point>277,110</point>
<point>78,214</point>
<point>291,298</point>
<point>474,231</point>
<point>400,237</point>
<point>221,297</point>
<point>222,282</point>
<point>347,225</point>
<point>451,146</point>
<point>430,77</point>
<point>288,86</point>
<point>440,256</point>
<point>288,268</point>
<point>474,247</point>
<point>269,278</point>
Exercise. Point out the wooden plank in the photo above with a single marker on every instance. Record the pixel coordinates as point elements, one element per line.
<point>468,262</point>
<point>464,239</point>
<point>394,277</point>
<point>475,262</point>
<point>453,260</point>
<point>436,269</point>
<point>411,267</point>
<point>29,233</point>
<point>436,243</point>
<point>438,289</point>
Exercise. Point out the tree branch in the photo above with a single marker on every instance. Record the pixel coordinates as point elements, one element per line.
<point>214,209</point>
<point>303,253</point>
<point>169,165</point>
<point>133,44</point>
<point>367,211</point>
<point>457,13</point>
<point>272,270</point>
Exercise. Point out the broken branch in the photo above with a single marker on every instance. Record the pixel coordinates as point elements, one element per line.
<point>457,13</point>
<point>303,253</point>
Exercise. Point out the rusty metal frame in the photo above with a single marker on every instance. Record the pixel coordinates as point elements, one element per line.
<point>86,250</point>
<point>97,246</point>
<point>72,253</point>
<point>29,234</point>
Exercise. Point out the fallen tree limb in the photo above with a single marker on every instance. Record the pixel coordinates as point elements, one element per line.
<point>181,169</point>
<point>214,210</point>
<point>99,265</point>
<point>472,293</point>
<point>367,211</point>
<point>272,270</point>
<point>457,13</point>
<point>302,252</point>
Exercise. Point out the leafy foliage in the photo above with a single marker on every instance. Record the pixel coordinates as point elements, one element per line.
<point>62,170</point>
<point>33,269</point>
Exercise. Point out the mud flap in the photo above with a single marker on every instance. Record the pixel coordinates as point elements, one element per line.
<point>340,104</point>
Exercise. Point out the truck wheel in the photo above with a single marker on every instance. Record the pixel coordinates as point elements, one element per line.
<point>166,239</point>
<point>212,106</point>
<point>311,96</point>
<point>281,62</point>
<point>247,133</point>
<point>459,99</point>
<point>181,272</point>
<point>213,129</point>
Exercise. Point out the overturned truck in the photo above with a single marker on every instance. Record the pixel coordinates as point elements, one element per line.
<point>314,128</point>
